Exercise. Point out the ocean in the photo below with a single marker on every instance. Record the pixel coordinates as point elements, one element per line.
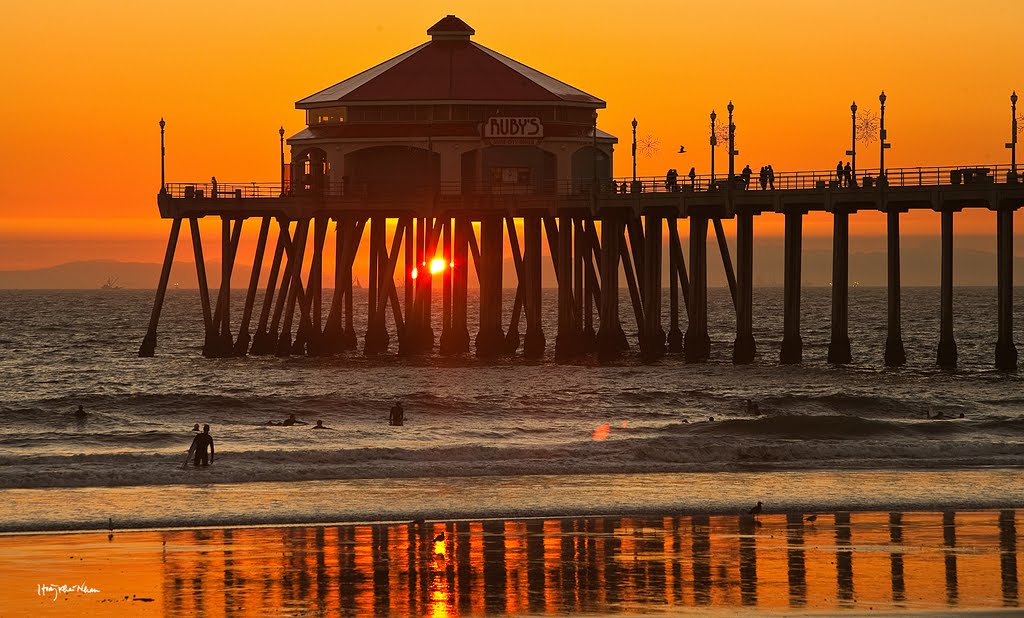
<point>493,438</point>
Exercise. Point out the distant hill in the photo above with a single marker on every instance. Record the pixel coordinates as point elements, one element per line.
<point>920,268</point>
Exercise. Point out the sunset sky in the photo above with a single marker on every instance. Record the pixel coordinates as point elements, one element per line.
<point>87,82</point>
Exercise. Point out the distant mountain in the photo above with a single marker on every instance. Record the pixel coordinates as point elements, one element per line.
<point>920,267</point>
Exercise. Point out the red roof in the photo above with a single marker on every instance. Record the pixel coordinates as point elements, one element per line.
<point>450,68</point>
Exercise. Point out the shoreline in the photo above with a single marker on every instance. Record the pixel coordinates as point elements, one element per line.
<point>305,503</point>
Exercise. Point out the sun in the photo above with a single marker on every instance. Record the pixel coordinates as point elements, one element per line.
<point>437,265</point>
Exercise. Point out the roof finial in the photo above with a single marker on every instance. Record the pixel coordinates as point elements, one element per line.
<point>450,28</point>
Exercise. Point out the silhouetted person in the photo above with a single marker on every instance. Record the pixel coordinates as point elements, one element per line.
<point>320,425</point>
<point>771,177</point>
<point>746,174</point>
<point>200,444</point>
<point>693,178</point>
<point>615,187</point>
<point>213,191</point>
<point>288,422</point>
<point>195,427</point>
<point>839,173</point>
<point>397,416</point>
<point>81,414</point>
<point>762,176</point>
<point>848,174</point>
<point>624,187</point>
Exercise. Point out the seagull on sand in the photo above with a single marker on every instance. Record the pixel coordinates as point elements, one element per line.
<point>756,510</point>
<point>439,538</point>
<point>811,518</point>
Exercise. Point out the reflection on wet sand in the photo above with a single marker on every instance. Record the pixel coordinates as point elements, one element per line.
<point>838,561</point>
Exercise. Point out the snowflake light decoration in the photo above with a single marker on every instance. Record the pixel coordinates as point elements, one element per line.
<point>647,146</point>
<point>867,127</point>
<point>722,134</point>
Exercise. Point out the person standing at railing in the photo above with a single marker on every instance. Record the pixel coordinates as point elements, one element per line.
<point>771,177</point>
<point>839,173</point>
<point>848,175</point>
<point>763,177</point>
<point>746,174</point>
<point>213,190</point>
<point>693,178</point>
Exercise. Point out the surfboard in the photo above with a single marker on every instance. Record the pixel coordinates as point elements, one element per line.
<point>188,457</point>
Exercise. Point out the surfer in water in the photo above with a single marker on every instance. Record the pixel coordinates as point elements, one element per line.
<point>81,414</point>
<point>288,422</point>
<point>200,444</point>
<point>195,427</point>
<point>397,416</point>
<point>320,425</point>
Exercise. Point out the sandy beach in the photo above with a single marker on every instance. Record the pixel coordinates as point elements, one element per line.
<point>862,562</point>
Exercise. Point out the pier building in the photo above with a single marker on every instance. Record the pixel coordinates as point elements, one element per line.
<point>460,148</point>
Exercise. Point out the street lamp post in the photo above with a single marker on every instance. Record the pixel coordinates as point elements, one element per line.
<point>1013,136</point>
<point>732,145</point>
<point>852,152</point>
<point>280,132</point>
<point>882,145</point>
<point>633,187</point>
<point>714,143</point>
<point>594,152</point>
<point>163,183</point>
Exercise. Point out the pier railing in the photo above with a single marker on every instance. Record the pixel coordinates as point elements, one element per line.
<point>869,178</point>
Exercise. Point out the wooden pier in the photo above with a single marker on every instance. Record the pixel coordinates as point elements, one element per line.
<point>593,238</point>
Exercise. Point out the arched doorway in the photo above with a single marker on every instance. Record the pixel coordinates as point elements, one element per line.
<point>311,172</point>
<point>585,162</point>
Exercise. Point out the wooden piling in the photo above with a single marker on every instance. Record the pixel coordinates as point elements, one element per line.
<point>947,354</point>
<point>204,289</point>
<point>839,343</point>
<point>653,333</point>
<point>242,342</point>
<point>490,341</point>
<point>298,249</point>
<point>534,343</point>
<point>696,342</point>
<point>446,288</point>
<point>792,344</point>
<point>1006,351</point>
<point>566,338</point>
<point>148,347</point>
<point>744,348</point>
<point>895,355</point>
<point>262,341</point>
<point>460,285</point>
<point>679,283</point>
<point>609,345</point>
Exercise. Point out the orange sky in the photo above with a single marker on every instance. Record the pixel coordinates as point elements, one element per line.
<point>87,82</point>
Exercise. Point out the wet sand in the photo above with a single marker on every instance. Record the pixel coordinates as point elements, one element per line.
<point>864,562</point>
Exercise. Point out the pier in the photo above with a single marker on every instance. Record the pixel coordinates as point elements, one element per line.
<point>424,181</point>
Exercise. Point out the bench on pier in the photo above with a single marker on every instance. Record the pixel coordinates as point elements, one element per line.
<point>971,176</point>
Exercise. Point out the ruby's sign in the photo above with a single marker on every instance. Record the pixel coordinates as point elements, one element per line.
<point>509,127</point>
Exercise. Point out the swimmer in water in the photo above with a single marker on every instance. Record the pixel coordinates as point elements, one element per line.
<point>81,413</point>
<point>288,422</point>
<point>320,425</point>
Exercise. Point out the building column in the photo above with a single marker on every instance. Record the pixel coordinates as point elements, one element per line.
<point>533,345</point>
<point>839,344</point>
<point>697,343</point>
<point>792,345</point>
<point>744,348</point>
<point>609,344</point>
<point>895,355</point>
<point>947,343</point>
<point>490,341</point>
<point>653,335</point>
<point>1006,351</point>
